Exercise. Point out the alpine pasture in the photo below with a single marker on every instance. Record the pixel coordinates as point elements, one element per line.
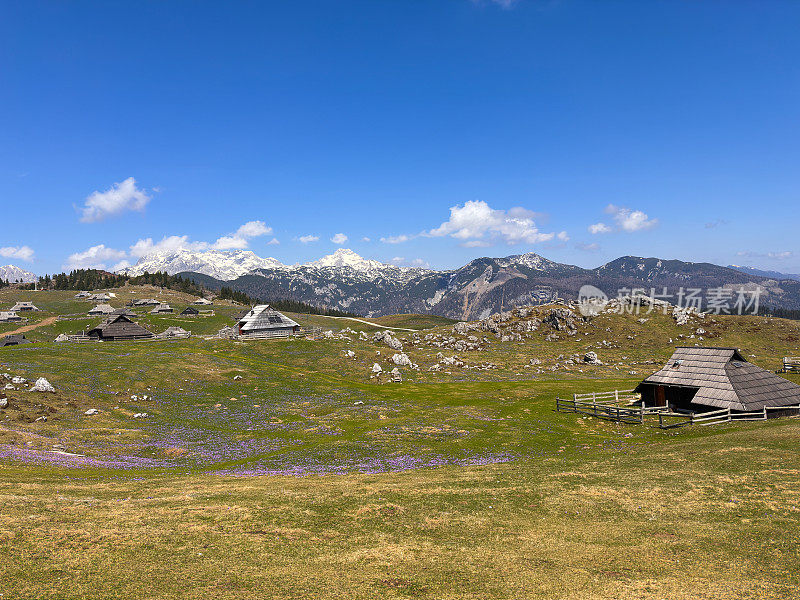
<point>281,469</point>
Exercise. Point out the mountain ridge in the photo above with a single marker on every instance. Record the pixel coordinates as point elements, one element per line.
<point>345,281</point>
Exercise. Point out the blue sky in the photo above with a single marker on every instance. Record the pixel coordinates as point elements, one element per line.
<point>439,130</point>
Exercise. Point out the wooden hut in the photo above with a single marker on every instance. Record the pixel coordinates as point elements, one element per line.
<point>190,311</point>
<point>263,321</point>
<point>202,302</point>
<point>147,302</point>
<point>174,332</point>
<point>698,379</point>
<point>102,309</point>
<point>23,306</point>
<point>82,295</point>
<point>9,316</point>
<point>127,312</point>
<point>99,298</point>
<point>14,340</point>
<point>119,327</point>
<point>162,309</point>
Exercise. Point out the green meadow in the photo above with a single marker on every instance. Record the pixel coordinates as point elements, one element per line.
<point>280,469</point>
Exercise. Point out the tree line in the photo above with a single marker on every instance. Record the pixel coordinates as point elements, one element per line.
<point>94,279</point>
<point>780,313</point>
<point>284,304</point>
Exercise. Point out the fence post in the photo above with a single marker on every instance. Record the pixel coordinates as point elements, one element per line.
<point>765,412</point>
<point>616,395</point>
<point>729,414</point>
<point>660,420</point>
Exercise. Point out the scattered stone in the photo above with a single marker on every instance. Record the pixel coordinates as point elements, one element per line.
<point>358,403</point>
<point>395,375</point>
<point>3,402</point>
<point>92,411</point>
<point>141,415</point>
<point>387,338</point>
<point>401,360</point>
<point>376,368</point>
<point>591,358</point>
<point>237,377</point>
<point>42,385</point>
<point>62,337</point>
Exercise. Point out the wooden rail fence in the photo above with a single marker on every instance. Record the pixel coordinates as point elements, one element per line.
<point>620,414</point>
<point>791,364</point>
<point>609,408</point>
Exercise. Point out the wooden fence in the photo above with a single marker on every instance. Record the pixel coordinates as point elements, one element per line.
<point>620,414</point>
<point>615,395</point>
<point>791,364</point>
<point>607,405</point>
<point>267,335</point>
<point>725,415</point>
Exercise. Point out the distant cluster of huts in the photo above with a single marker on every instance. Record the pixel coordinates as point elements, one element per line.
<point>12,314</point>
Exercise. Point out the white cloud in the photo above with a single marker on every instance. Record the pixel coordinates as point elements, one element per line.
<point>395,239</point>
<point>308,239</point>
<point>20,252</point>
<point>339,239</point>
<point>716,223</point>
<point>477,224</point>
<point>562,235</point>
<point>120,197</point>
<point>167,244</point>
<point>630,220</point>
<point>120,265</point>
<point>593,247</point>
<point>241,239</point>
<point>96,257</point>
<point>401,261</point>
<point>505,4</point>
<point>599,228</point>
<point>773,255</point>
<point>365,239</point>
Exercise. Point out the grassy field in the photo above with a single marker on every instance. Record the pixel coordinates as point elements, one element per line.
<point>279,469</point>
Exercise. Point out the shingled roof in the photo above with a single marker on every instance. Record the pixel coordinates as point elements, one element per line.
<point>263,318</point>
<point>119,327</point>
<point>724,379</point>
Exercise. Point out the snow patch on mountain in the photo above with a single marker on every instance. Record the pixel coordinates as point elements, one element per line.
<point>13,273</point>
<point>220,264</point>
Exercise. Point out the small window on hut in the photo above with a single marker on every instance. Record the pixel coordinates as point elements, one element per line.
<point>677,364</point>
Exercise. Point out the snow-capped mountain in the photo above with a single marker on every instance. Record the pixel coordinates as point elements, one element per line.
<point>346,281</point>
<point>13,274</point>
<point>220,264</point>
<point>347,259</point>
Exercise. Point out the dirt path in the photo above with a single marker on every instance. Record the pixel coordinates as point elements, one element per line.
<point>42,323</point>
<point>367,323</point>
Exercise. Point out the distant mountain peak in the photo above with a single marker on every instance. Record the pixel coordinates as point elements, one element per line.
<point>346,258</point>
<point>13,273</point>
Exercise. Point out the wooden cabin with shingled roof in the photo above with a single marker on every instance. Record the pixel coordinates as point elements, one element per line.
<point>702,379</point>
